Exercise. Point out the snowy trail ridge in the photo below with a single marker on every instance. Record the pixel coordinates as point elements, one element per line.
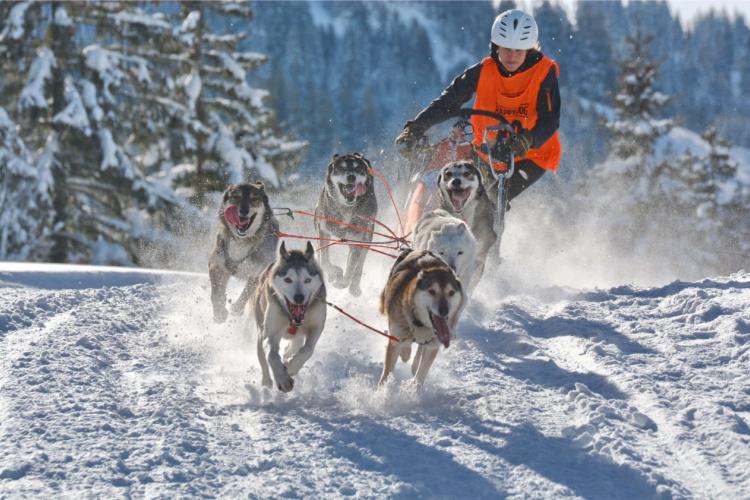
<point>119,384</point>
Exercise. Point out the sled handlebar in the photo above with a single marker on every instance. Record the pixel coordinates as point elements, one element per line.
<point>467,113</point>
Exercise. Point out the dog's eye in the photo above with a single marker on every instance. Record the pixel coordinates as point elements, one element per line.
<point>432,292</point>
<point>451,293</point>
<point>467,174</point>
<point>308,280</point>
<point>287,280</point>
<point>460,252</point>
<point>448,175</point>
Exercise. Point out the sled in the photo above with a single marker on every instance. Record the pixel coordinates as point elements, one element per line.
<point>425,161</point>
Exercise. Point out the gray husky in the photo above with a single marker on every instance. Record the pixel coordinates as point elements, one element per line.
<point>348,196</point>
<point>462,194</point>
<point>245,244</point>
<point>289,304</point>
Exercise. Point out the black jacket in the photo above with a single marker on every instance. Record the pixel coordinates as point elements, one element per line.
<point>464,86</point>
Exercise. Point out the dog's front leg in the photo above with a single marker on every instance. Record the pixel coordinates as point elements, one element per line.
<point>429,353</point>
<point>219,276</point>
<point>391,356</point>
<point>354,264</point>
<point>335,273</point>
<point>266,374</point>
<point>301,357</point>
<point>239,306</point>
<point>272,330</point>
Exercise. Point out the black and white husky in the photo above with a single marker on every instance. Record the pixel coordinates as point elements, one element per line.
<point>290,305</point>
<point>348,196</point>
<point>245,244</point>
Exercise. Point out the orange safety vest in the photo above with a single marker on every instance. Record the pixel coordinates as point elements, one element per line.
<point>515,97</point>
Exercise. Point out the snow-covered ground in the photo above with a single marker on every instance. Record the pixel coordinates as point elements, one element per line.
<point>118,383</point>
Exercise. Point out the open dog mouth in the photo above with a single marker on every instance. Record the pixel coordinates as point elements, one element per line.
<point>296,311</point>
<point>441,329</point>
<point>351,191</point>
<point>458,197</point>
<point>241,224</point>
<point>244,224</point>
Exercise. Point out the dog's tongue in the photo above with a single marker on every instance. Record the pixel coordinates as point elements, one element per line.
<point>357,190</point>
<point>458,198</point>
<point>440,326</point>
<point>297,311</point>
<point>232,215</point>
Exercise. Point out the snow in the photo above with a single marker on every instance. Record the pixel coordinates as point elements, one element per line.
<point>105,63</point>
<point>32,94</point>
<point>14,24</point>
<point>62,18</point>
<point>109,149</point>
<point>191,21</point>
<point>150,20</point>
<point>116,382</point>
<point>74,114</point>
<point>193,86</point>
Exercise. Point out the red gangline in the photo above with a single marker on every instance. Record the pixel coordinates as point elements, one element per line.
<point>381,332</point>
<point>390,195</point>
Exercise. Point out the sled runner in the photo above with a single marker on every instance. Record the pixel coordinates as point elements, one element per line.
<point>425,161</point>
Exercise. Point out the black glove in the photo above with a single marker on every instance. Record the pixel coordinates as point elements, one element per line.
<point>408,137</point>
<point>521,143</point>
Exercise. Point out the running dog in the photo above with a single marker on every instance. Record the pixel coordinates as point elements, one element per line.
<point>449,238</point>
<point>289,304</point>
<point>245,244</point>
<point>348,196</point>
<point>423,300</point>
<point>462,194</point>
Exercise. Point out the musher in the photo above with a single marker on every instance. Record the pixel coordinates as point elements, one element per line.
<point>517,81</point>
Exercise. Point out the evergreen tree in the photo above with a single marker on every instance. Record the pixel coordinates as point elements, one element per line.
<point>25,201</point>
<point>70,110</point>
<point>227,131</point>
<point>632,185</point>
<point>594,55</point>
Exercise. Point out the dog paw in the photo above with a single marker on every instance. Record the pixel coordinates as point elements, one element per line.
<point>220,314</point>
<point>335,275</point>
<point>355,290</point>
<point>285,383</point>
<point>266,382</point>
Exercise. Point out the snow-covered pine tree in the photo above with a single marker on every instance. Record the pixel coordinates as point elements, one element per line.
<point>25,201</point>
<point>725,207</point>
<point>228,133</point>
<point>69,111</point>
<point>631,188</point>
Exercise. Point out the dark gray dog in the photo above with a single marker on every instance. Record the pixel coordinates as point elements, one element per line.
<point>245,244</point>
<point>462,193</point>
<point>348,196</point>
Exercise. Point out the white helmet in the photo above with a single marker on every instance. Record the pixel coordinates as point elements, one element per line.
<point>514,29</point>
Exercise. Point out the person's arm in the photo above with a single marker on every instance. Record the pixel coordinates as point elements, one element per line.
<point>450,101</point>
<point>548,110</point>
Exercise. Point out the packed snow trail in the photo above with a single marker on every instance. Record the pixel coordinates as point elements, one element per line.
<point>118,382</point>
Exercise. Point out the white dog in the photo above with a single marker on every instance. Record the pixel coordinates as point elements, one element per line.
<point>449,238</point>
<point>289,304</point>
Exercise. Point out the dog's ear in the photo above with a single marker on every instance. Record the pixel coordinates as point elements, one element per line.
<point>330,164</point>
<point>227,191</point>
<point>283,252</point>
<point>309,251</point>
<point>260,185</point>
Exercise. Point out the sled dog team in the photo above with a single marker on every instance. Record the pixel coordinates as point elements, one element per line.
<point>285,290</point>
